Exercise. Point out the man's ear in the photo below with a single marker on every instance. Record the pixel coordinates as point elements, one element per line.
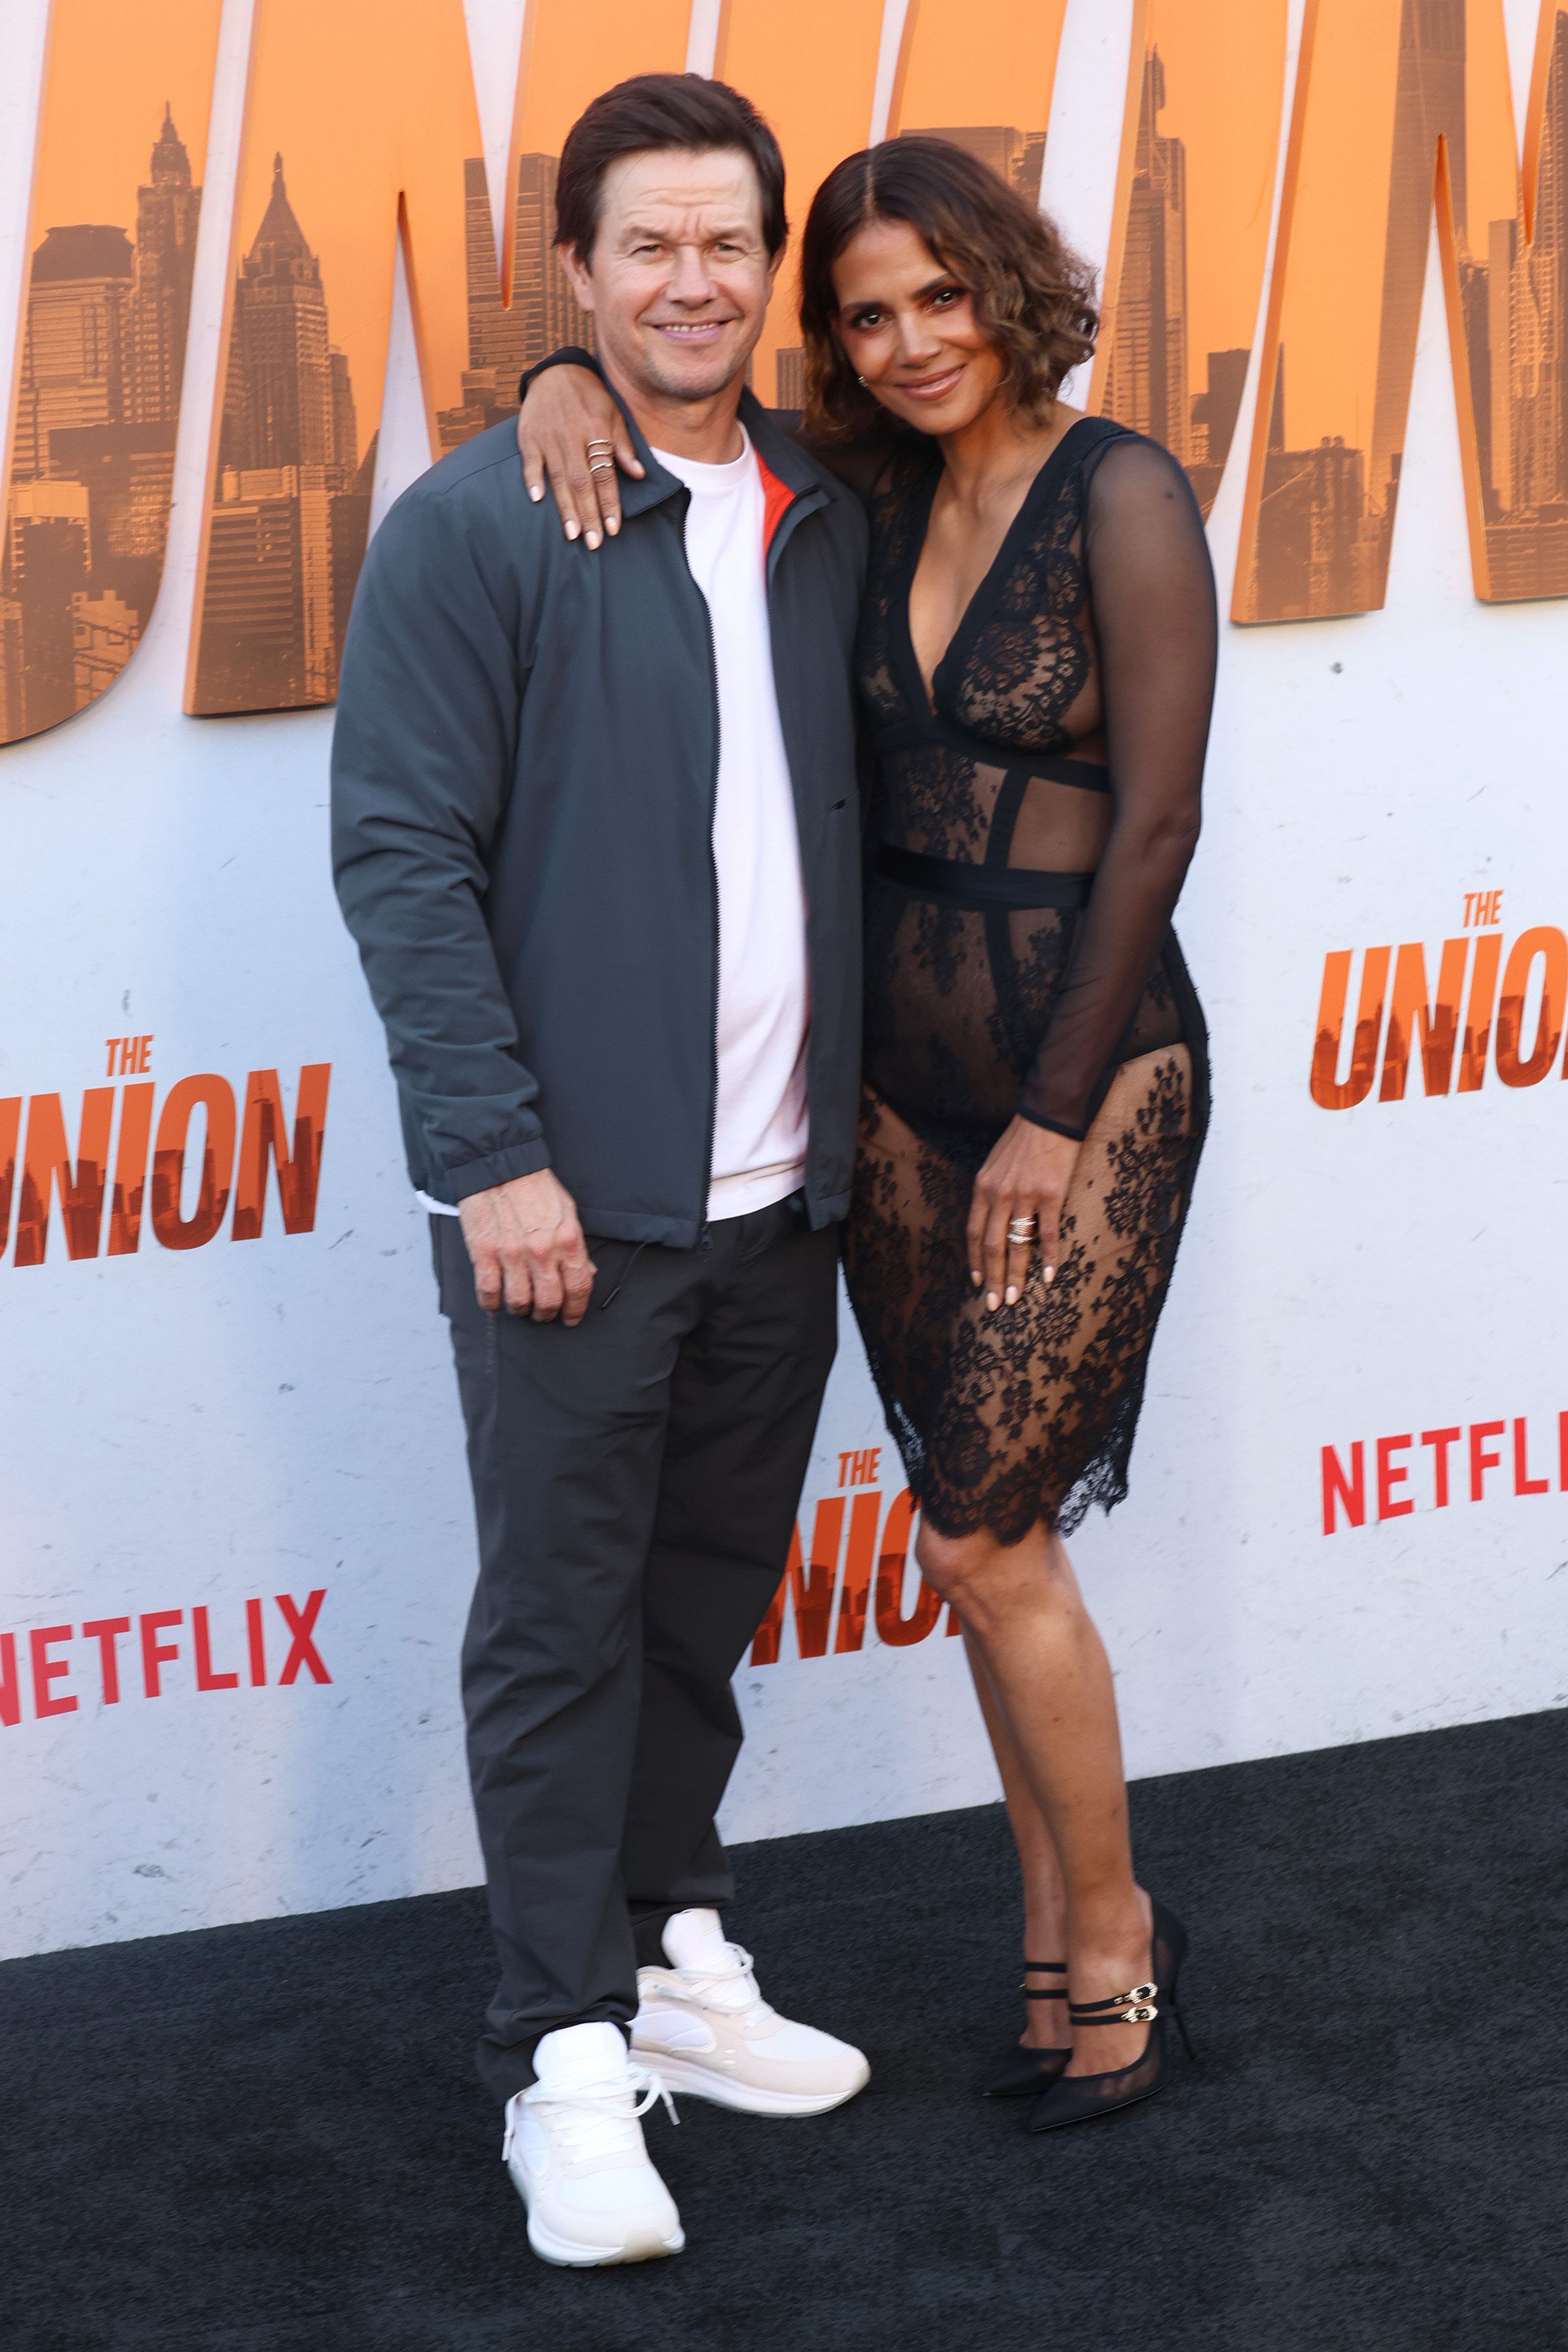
<point>581,280</point>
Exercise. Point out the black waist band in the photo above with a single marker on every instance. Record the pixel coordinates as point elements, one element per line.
<point>958,882</point>
<point>920,734</point>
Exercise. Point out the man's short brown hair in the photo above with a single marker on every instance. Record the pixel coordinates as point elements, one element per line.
<point>657,110</point>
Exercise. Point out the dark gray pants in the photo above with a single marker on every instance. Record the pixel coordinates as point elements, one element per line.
<point>634,1484</point>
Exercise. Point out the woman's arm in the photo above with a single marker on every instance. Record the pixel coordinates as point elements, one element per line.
<point>1152,599</point>
<point>567,406</point>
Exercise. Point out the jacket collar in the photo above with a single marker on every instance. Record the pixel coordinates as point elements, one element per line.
<point>777,451</point>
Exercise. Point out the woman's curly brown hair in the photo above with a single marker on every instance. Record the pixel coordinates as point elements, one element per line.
<point>1034,298</point>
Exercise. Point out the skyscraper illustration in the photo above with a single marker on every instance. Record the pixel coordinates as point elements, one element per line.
<point>1527,311</point>
<point>290,521</point>
<point>1146,377</point>
<point>1148,332</point>
<point>167,213</point>
<point>278,401</point>
<point>92,453</point>
<point>543,314</point>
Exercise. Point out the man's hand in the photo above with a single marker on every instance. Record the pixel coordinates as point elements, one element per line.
<point>528,1250</point>
<point>570,428</point>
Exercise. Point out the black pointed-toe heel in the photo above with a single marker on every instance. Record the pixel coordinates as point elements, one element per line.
<point>1081,2098</point>
<point>1027,2072</point>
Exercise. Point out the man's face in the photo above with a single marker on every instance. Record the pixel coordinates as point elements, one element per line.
<point>681,276</point>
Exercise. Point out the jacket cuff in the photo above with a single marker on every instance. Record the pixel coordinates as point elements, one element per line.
<point>569,355</point>
<point>454,1184</point>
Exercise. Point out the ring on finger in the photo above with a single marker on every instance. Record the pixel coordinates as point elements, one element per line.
<point>1023,1229</point>
<point>598,445</point>
<point>601,465</point>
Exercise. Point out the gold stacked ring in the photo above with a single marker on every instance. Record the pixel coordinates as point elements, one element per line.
<point>1023,1229</point>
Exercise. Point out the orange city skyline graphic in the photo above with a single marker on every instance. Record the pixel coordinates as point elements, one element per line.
<point>351,144</point>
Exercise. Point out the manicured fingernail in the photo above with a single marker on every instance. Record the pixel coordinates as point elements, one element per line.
<point>1012,1294</point>
<point>592,539</point>
<point>992,1300</point>
<point>612,525</point>
<point>1048,1271</point>
<point>975,1277</point>
<point>536,491</point>
<point>572,529</point>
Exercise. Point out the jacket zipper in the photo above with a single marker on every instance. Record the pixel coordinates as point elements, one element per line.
<point>782,533</point>
<point>712,886</point>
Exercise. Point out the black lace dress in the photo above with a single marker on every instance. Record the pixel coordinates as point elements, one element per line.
<point>1020,958</point>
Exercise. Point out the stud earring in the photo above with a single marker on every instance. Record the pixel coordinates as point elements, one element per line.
<point>860,380</point>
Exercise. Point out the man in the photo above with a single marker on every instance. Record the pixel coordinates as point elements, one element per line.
<point>595,831</point>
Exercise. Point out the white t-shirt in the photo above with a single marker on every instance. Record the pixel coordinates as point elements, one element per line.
<point>760,1127</point>
<point>760,1122</point>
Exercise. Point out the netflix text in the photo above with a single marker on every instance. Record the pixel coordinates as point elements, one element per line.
<point>1478,1461</point>
<point>158,1651</point>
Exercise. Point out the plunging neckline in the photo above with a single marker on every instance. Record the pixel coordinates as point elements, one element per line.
<point>929,701</point>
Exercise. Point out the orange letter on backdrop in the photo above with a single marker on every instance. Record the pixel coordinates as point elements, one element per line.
<point>990,93</point>
<point>812,1590</point>
<point>1327,1091</point>
<point>88,459</point>
<point>895,1631</point>
<point>1514,1067</point>
<point>1410,1013</point>
<point>811,66</point>
<point>1190,232</point>
<point>1399,104</point>
<point>10,1124</point>
<point>47,1163</point>
<point>265,1136</point>
<point>1479,1013</point>
<point>131,1171</point>
<point>168,1161</point>
<point>859,1558</point>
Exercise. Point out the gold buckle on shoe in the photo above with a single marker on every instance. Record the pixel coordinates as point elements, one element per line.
<point>1144,2014</point>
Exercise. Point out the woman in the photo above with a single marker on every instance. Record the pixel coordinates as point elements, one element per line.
<point>1037,665</point>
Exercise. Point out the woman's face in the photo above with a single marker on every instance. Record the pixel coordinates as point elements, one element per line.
<point>908,329</point>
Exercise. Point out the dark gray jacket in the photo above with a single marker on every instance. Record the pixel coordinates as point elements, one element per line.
<point>523,774</point>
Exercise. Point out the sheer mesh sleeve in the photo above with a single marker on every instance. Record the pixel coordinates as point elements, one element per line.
<point>1153,603</point>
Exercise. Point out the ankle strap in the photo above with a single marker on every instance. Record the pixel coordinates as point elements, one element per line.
<point>1047,1969</point>
<point>1141,2012</point>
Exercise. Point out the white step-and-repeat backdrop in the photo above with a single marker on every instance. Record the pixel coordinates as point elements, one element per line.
<point>237,1539</point>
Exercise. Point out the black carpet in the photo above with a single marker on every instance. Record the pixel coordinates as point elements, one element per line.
<point>269,2138</point>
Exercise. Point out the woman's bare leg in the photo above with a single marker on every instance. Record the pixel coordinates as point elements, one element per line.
<point>1044,1895</point>
<point>1047,1676</point>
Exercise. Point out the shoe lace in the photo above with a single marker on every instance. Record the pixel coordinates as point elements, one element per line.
<point>731,1990</point>
<point>598,2118</point>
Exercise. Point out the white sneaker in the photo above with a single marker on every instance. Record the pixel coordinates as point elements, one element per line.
<point>575,2149</point>
<point>707,2028</point>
